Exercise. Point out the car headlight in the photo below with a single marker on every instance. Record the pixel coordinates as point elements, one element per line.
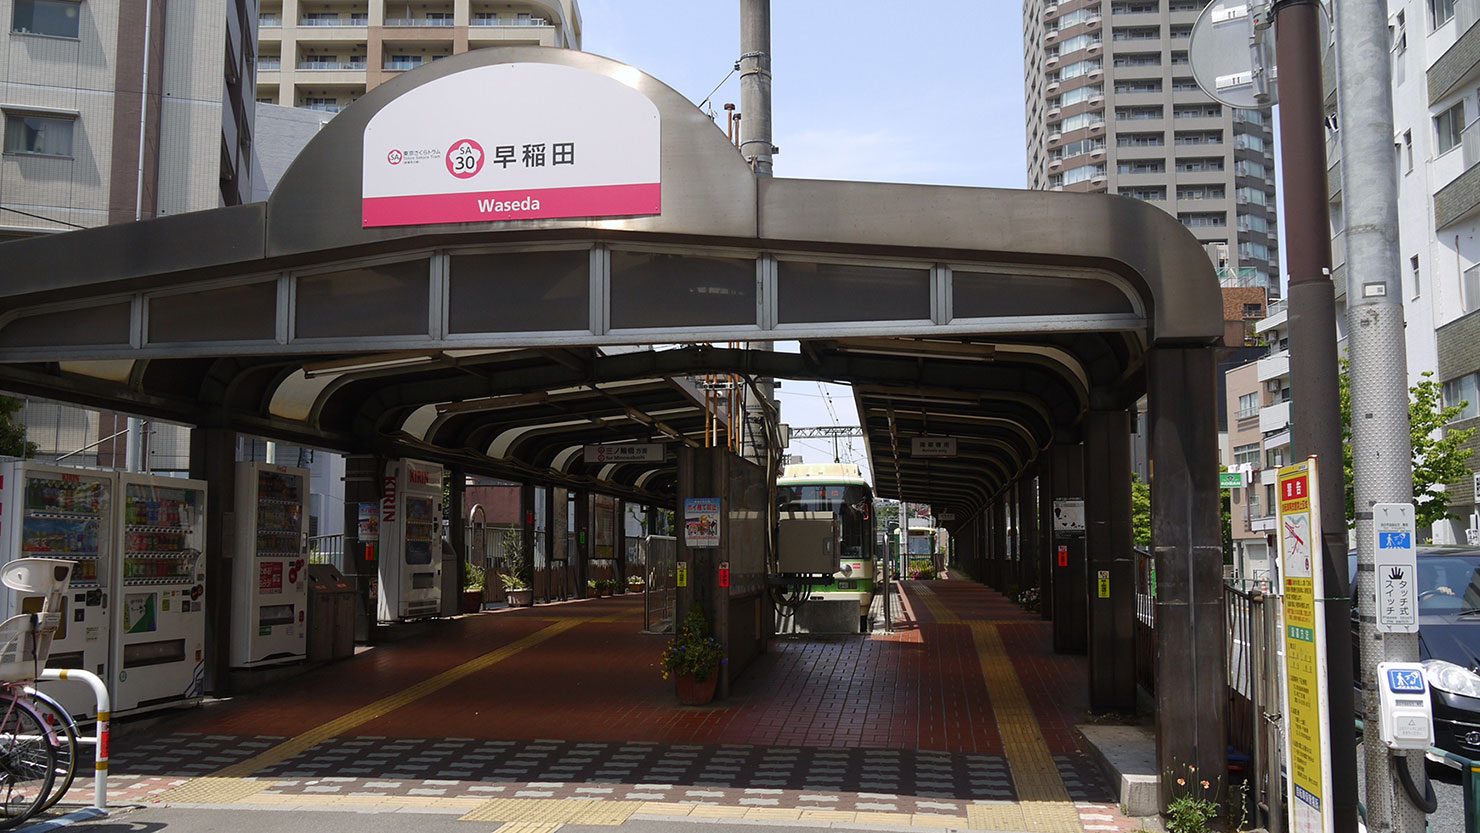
<point>1446,676</point>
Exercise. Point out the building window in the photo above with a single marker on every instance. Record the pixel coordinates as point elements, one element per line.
<point>1440,12</point>
<point>1413,273</point>
<point>1246,453</point>
<point>1449,127</point>
<point>1248,406</point>
<point>1276,456</point>
<point>1398,33</point>
<point>54,18</point>
<point>1463,393</point>
<point>38,135</point>
<point>1253,311</point>
<point>1408,151</point>
<point>1471,289</point>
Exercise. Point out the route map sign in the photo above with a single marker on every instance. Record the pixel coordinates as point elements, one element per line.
<point>1395,564</point>
<point>1308,751</point>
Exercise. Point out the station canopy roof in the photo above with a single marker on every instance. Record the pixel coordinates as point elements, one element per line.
<point>370,306</point>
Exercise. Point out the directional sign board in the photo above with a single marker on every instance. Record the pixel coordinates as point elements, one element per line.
<point>1396,565</point>
<point>1230,480</point>
<point>623,453</point>
<point>932,446</point>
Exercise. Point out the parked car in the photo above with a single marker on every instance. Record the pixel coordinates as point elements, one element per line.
<point>1448,642</point>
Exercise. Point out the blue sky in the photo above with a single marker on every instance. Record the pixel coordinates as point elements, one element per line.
<point>863,90</point>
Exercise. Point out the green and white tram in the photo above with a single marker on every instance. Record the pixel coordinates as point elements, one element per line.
<point>919,549</point>
<point>838,488</point>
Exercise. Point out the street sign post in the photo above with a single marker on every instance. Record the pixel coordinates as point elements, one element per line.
<point>1395,562</point>
<point>1308,750</point>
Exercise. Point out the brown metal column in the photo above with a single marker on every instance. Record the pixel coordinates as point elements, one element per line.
<point>1027,519</point>
<point>364,482</point>
<point>1069,604</point>
<point>1316,421</point>
<point>1044,520</point>
<point>1112,569</point>
<point>582,566</point>
<point>526,520</point>
<point>213,459</point>
<point>457,530</point>
<point>999,543</point>
<point>1191,668</point>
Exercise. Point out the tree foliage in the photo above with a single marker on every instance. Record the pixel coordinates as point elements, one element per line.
<point>1439,455</point>
<point>1141,510</point>
<point>12,431</point>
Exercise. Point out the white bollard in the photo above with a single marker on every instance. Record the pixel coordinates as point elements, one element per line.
<point>100,743</point>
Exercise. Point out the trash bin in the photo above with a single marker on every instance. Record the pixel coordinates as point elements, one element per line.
<point>331,614</point>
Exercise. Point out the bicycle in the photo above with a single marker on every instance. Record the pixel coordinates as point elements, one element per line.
<point>28,743</point>
<point>63,730</point>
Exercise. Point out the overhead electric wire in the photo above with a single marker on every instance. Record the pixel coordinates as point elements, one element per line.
<point>39,217</point>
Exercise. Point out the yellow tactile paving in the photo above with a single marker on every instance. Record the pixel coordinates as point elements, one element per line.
<point>1043,804</point>
<point>664,808</point>
<point>820,816</point>
<point>554,811</point>
<point>213,790</point>
<point>385,705</point>
<point>529,827</point>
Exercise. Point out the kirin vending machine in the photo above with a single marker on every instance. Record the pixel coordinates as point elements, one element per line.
<point>159,620</point>
<point>410,569</point>
<point>55,512</point>
<point>270,593</point>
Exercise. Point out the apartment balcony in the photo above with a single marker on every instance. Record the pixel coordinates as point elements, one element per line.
<point>494,21</point>
<point>1459,66</point>
<point>1460,198</point>
<point>418,22</point>
<point>1273,418</point>
<point>350,21</point>
<point>267,63</point>
<point>333,65</point>
<point>270,21</point>
<point>1273,367</point>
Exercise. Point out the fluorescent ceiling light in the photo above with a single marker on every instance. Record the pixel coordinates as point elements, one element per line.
<point>359,364</point>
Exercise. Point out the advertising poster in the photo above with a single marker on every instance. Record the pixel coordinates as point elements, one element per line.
<point>1308,753</point>
<point>701,521</point>
<point>516,141</point>
<point>369,522</point>
<point>270,577</point>
<point>139,613</point>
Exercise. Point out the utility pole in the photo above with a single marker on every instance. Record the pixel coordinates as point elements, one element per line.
<point>1313,365</point>
<point>1382,445</point>
<point>756,147</point>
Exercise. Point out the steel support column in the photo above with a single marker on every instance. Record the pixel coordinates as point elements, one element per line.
<point>582,567</point>
<point>213,459</point>
<point>526,524</point>
<point>1027,518</point>
<point>1044,522</point>
<point>999,542</point>
<point>1112,569</point>
<point>1188,547</point>
<point>457,536</point>
<point>1069,603</point>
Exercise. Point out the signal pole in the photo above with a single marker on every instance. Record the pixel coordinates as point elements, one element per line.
<point>756,147</point>
<point>1313,365</point>
<point>1382,450</point>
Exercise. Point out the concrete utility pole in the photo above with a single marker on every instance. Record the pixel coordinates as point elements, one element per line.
<point>755,146</point>
<point>1382,445</point>
<point>1313,366</point>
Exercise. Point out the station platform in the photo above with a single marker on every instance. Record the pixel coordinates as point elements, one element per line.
<point>961,718</point>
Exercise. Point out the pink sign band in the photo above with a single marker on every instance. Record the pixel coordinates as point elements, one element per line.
<point>523,204</point>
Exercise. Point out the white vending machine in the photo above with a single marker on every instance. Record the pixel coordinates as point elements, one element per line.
<point>56,512</point>
<point>159,620</point>
<point>269,597</point>
<point>410,569</point>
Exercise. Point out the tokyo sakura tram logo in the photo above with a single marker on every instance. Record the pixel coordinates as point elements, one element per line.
<point>464,158</point>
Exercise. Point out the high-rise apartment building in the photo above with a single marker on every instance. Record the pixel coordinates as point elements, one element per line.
<point>1112,108</point>
<point>326,53</point>
<point>121,110</point>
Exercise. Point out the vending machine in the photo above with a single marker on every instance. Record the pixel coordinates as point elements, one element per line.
<point>270,592</point>
<point>410,569</point>
<point>159,621</point>
<point>55,512</point>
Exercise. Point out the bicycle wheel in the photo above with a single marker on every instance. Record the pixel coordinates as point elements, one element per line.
<point>27,761</point>
<point>64,738</point>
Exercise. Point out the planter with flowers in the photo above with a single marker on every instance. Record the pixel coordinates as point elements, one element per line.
<point>635,584</point>
<point>693,660</point>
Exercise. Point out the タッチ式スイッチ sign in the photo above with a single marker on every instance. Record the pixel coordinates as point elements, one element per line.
<point>518,141</point>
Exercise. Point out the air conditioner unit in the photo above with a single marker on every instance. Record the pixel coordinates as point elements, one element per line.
<point>1272,385</point>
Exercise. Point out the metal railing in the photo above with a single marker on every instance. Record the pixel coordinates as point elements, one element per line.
<point>1145,634</point>
<point>1255,701</point>
<point>659,553</point>
<point>410,22</point>
<point>335,22</point>
<point>269,22</point>
<point>509,21</point>
<point>327,549</point>
<point>269,64</point>
<point>333,65</point>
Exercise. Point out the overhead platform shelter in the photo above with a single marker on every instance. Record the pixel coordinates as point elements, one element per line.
<point>450,267</point>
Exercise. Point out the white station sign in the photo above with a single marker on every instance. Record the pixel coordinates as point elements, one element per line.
<point>519,141</point>
<point>625,453</point>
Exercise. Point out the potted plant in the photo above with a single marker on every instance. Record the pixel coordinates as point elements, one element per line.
<point>516,589</point>
<point>635,584</point>
<point>693,659</point>
<point>608,587</point>
<point>472,590</point>
<point>593,587</point>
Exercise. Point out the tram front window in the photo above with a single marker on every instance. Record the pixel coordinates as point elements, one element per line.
<point>852,503</point>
